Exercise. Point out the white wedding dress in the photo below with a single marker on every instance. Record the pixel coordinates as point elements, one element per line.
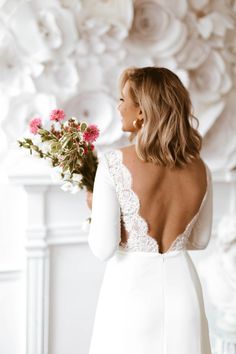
<point>149,302</point>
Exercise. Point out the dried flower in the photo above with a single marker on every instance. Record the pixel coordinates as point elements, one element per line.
<point>57,115</point>
<point>91,133</point>
<point>35,124</point>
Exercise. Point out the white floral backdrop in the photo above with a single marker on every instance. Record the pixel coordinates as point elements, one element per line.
<point>68,53</point>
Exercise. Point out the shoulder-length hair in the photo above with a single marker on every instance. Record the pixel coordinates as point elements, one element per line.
<point>167,137</point>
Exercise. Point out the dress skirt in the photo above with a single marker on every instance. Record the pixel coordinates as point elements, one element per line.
<point>150,303</point>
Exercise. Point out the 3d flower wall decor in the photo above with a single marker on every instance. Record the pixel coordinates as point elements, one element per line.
<point>57,50</point>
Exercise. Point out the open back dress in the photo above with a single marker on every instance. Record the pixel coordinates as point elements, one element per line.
<point>149,302</point>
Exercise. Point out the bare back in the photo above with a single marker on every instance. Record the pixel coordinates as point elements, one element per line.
<point>169,198</point>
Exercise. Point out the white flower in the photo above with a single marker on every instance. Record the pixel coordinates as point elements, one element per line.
<point>220,145</point>
<point>199,4</point>
<point>44,146</point>
<point>112,11</point>
<point>67,186</point>
<point>77,177</point>
<point>75,189</point>
<point>221,22</point>
<point>56,174</point>
<point>156,27</point>
<point>70,187</point>
<point>14,69</point>
<point>36,138</point>
<point>98,108</point>
<point>59,78</point>
<point>103,26</point>
<point>19,110</point>
<point>194,53</point>
<point>73,5</point>
<point>99,35</point>
<point>66,176</point>
<point>209,84</point>
<point>46,32</point>
<point>91,73</point>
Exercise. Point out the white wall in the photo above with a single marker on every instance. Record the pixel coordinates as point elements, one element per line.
<point>13,309</point>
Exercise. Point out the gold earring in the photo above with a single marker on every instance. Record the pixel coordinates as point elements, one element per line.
<point>135,124</point>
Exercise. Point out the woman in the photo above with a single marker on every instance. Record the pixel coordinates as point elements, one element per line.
<point>152,202</point>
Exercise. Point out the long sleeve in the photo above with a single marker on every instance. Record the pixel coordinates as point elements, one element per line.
<point>202,229</point>
<point>105,229</point>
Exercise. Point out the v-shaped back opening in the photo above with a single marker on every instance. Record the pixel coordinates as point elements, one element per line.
<point>194,218</point>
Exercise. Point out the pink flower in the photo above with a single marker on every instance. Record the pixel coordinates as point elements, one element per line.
<point>35,124</point>
<point>91,133</point>
<point>57,115</point>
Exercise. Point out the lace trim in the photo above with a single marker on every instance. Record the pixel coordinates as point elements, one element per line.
<point>134,223</point>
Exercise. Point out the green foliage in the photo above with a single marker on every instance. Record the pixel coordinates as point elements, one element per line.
<point>83,126</point>
<point>66,148</point>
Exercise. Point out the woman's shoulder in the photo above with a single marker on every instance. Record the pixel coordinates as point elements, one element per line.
<point>200,169</point>
<point>114,153</point>
<point>127,148</point>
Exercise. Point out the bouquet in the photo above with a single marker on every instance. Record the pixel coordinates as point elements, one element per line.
<point>68,145</point>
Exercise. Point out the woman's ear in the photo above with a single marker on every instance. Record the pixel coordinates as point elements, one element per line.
<point>140,114</point>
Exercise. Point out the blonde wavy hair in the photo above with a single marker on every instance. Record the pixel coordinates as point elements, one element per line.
<point>167,137</point>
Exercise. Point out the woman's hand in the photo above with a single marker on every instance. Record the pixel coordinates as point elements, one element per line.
<point>89,199</point>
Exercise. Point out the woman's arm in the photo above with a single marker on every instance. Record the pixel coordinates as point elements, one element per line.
<point>202,229</point>
<point>105,229</point>
<point>89,199</point>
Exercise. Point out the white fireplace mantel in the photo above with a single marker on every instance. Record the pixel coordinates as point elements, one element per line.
<point>55,218</point>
